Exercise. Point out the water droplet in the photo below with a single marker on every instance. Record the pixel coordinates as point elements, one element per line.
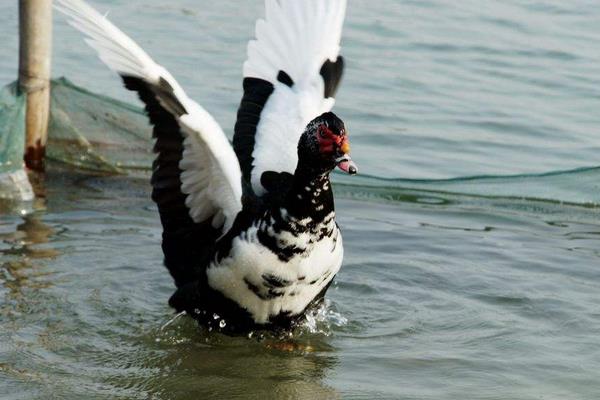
<point>169,322</point>
<point>216,316</point>
<point>222,323</point>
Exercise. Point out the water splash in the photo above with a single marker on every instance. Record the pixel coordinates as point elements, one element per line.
<point>323,320</point>
<point>172,320</point>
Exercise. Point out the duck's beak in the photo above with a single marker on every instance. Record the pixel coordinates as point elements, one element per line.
<point>344,162</point>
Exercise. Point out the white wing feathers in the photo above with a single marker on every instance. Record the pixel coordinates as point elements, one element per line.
<point>296,37</point>
<point>211,174</point>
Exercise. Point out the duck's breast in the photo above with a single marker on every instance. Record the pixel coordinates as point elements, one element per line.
<point>267,284</point>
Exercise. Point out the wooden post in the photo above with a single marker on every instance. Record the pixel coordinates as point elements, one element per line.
<point>35,35</point>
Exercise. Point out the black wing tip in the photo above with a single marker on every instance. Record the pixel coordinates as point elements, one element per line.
<point>332,73</point>
<point>284,78</point>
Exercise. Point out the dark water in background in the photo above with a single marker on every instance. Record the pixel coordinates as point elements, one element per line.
<point>452,287</point>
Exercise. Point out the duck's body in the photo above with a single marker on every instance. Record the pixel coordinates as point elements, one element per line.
<point>277,260</point>
<point>249,231</point>
<point>277,264</point>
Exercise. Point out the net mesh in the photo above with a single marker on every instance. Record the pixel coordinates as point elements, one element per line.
<point>12,127</point>
<point>13,180</point>
<point>86,130</point>
<point>95,132</point>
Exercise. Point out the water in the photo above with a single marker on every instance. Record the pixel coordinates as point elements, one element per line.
<point>472,238</point>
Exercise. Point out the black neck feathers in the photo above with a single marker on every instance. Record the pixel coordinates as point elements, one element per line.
<point>310,196</point>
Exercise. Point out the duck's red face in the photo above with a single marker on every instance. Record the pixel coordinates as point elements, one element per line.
<point>334,144</point>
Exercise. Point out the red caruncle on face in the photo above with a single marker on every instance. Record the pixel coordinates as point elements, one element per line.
<point>330,143</point>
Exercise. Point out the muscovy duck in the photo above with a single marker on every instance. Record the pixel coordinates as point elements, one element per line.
<point>249,233</point>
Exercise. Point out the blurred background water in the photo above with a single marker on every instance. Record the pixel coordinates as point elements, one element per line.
<point>472,237</point>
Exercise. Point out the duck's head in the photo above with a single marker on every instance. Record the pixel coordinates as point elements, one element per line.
<point>324,145</point>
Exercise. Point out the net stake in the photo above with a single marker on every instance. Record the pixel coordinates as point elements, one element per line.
<point>35,53</point>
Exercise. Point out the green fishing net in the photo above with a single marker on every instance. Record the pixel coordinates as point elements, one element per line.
<point>12,127</point>
<point>86,130</point>
<point>13,180</point>
<point>95,132</point>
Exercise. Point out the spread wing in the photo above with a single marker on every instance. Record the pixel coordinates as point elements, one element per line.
<point>290,77</point>
<point>196,176</point>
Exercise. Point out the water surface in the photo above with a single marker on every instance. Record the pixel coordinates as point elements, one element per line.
<point>472,265</point>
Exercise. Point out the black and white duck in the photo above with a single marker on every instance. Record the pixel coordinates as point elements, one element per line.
<point>249,231</point>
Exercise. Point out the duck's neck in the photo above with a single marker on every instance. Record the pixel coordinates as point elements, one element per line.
<point>310,196</point>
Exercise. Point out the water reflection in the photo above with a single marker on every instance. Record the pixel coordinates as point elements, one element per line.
<point>192,364</point>
<point>20,248</point>
<point>28,234</point>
